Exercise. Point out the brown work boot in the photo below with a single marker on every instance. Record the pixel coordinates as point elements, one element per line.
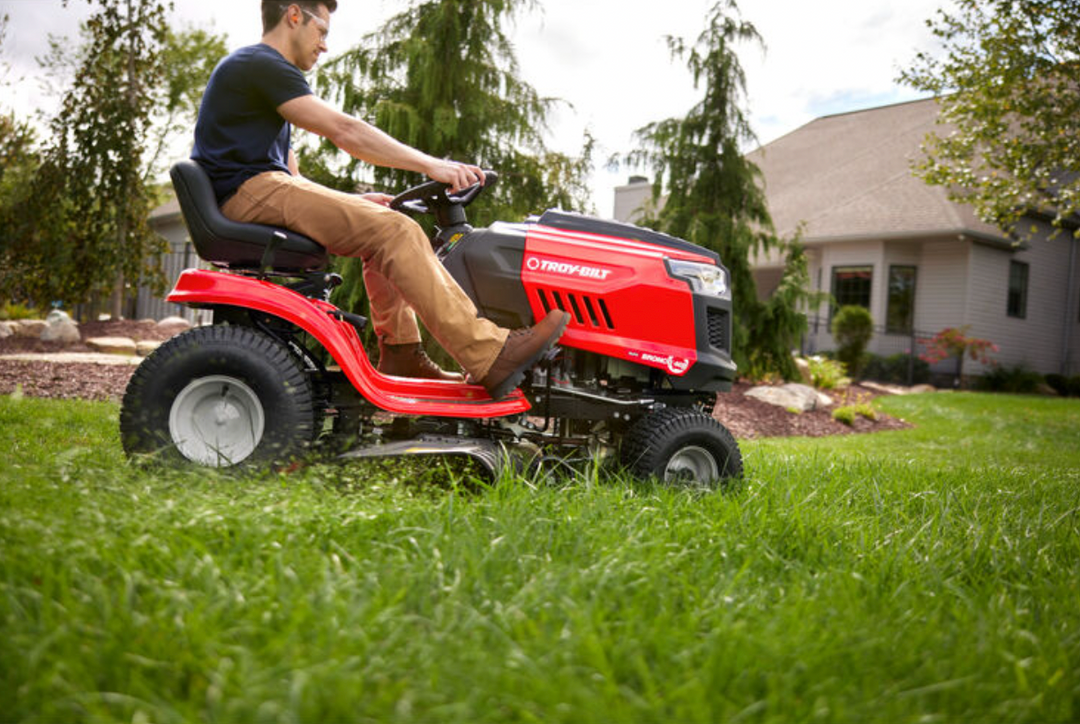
<point>521,350</point>
<point>410,360</point>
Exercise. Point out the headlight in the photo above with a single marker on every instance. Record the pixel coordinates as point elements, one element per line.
<point>705,278</point>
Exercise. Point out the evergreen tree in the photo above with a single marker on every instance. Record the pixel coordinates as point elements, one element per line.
<point>441,76</point>
<point>713,197</point>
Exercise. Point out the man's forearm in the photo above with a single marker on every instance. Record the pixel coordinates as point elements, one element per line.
<point>365,142</point>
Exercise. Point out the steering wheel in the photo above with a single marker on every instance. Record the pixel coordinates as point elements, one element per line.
<point>431,197</point>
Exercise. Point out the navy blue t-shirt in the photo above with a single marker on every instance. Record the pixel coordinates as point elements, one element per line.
<point>239,133</point>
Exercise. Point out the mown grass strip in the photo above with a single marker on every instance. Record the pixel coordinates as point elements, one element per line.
<point>930,574</point>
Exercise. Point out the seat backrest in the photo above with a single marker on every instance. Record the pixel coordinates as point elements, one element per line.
<point>230,244</point>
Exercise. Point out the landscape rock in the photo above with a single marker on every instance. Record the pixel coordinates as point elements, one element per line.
<point>112,345</point>
<point>919,389</point>
<point>177,324</point>
<point>145,347</point>
<point>803,366</point>
<point>791,396</point>
<point>29,328</point>
<point>6,330</point>
<point>60,327</point>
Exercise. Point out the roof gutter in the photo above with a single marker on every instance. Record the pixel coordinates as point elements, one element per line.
<point>978,237</point>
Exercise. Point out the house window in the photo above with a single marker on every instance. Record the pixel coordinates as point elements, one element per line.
<point>1018,289</point>
<point>900,315</point>
<point>851,285</point>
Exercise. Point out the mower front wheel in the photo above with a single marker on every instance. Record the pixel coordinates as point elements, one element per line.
<point>681,446</point>
<point>217,397</point>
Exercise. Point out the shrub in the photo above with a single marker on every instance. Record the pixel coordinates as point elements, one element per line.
<point>1060,383</point>
<point>1064,386</point>
<point>852,328</point>
<point>827,374</point>
<point>860,408</point>
<point>894,369</point>
<point>952,342</point>
<point>1017,379</point>
<point>845,415</point>
<point>17,311</point>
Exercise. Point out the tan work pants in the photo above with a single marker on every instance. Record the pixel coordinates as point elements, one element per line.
<point>401,272</point>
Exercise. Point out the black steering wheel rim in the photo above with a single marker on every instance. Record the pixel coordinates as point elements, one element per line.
<point>430,195</point>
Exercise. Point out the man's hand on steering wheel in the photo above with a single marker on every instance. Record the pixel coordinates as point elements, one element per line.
<point>459,176</point>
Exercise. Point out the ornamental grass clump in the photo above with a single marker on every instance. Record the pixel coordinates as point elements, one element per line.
<point>827,374</point>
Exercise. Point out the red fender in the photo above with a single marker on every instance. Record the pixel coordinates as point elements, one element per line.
<point>395,394</point>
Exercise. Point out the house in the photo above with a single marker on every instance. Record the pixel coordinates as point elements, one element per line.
<point>167,221</point>
<point>877,236</point>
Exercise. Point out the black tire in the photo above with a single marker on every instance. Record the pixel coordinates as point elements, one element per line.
<point>172,410</point>
<point>681,446</point>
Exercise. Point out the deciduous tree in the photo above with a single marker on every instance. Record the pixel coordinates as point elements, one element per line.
<point>1008,81</point>
<point>85,226</point>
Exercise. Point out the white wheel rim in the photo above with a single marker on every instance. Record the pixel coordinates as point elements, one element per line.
<point>691,463</point>
<point>216,421</point>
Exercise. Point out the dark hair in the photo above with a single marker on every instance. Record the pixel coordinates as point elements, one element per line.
<point>274,10</point>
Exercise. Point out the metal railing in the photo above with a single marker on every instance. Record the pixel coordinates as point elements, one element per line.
<point>886,343</point>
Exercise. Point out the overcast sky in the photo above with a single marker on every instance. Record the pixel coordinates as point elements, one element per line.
<point>607,58</point>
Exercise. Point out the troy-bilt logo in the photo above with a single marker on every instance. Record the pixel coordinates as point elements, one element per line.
<point>535,263</point>
<point>674,365</point>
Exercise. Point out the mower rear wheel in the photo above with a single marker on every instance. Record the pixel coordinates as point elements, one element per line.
<point>681,446</point>
<point>217,397</point>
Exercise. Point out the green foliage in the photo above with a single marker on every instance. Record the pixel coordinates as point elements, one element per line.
<point>1064,386</point>
<point>188,57</point>
<point>852,327</point>
<point>845,415</point>
<point>827,374</point>
<point>128,92</point>
<point>13,311</point>
<point>1017,379</point>
<point>83,229</point>
<point>1007,80</point>
<point>442,76</point>
<point>19,161</point>
<point>894,369</point>
<point>713,197</point>
<point>924,575</point>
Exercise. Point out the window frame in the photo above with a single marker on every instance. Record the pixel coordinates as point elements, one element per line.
<point>910,324</point>
<point>836,302</point>
<point>1017,310</point>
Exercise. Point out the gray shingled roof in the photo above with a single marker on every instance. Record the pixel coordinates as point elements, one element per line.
<point>849,176</point>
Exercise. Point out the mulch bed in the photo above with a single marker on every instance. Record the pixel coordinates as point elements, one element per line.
<point>749,418</point>
<point>745,417</point>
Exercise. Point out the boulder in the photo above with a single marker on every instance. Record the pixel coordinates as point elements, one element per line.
<point>59,327</point>
<point>29,328</point>
<point>112,345</point>
<point>7,329</point>
<point>803,366</point>
<point>791,396</point>
<point>918,389</point>
<point>178,324</point>
<point>145,347</point>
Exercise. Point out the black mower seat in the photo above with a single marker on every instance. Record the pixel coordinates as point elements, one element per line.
<point>226,243</point>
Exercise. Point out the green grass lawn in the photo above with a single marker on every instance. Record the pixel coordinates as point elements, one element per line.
<point>918,576</point>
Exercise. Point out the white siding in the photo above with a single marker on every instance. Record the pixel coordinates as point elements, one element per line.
<point>1072,309</point>
<point>1036,340</point>
<point>181,256</point>
<point>942,285</point>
